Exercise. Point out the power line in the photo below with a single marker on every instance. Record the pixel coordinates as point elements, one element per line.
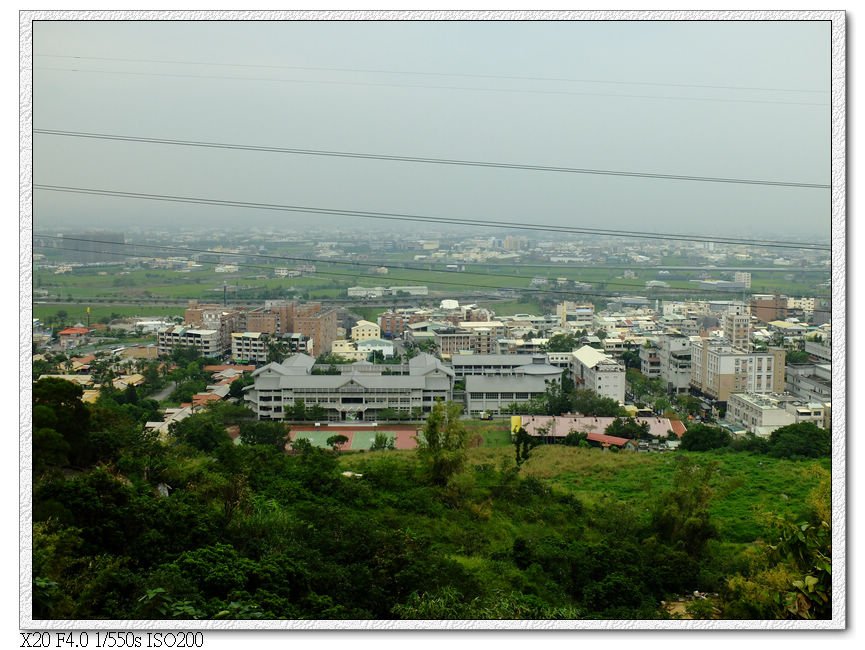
<point>281,258</point>
<point>429,87</point>
<point>432,74</point>
<point>389,216</point>
<point>418,159</point>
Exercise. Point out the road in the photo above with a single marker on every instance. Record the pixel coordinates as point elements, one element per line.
<point>164,393</point>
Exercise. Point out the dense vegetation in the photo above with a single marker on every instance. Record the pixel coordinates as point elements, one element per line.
<point>196,527</point>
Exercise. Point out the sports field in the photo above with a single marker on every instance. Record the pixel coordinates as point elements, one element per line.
<point>359,437</point>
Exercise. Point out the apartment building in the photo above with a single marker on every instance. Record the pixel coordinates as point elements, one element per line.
<point>359,394</point>
<point>250,346</point>
<point>575,316</point>
<point>365,330</point>
<point>762,414</point>
<point>718,369</point>
<point>347,350</point>
<point>208,342</point>
<point>259,320</point>
<point>811,381</point>
<point>674,352</point>
<point>480,337</point>
<point>312,320</point>
<point>737,329</point>
<point>769,307</point>
<point>214,317</point>
<point>596,371</point>
<point>650,362</point>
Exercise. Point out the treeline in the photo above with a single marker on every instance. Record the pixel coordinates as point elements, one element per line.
<point>801,440</point>
<point>126,526</point>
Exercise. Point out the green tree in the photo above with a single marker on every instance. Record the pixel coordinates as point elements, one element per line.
<point>589,403</point>
<point>382,442</point>
<point>63,412</point>
<point>576,439</point>
<point>523,443</point>
<point>797,356</point>
<point>236,387</point>
<point>802,440</point>
<point>337,441</point>
<point>277,350</point>
<point>681,515</point>
<point>627,428</point>
<point>204,431</point>
<point>791,578</point>
<point>271,434</point>
<point>442,447</point>
<point>704,437</point>
<point>631,359</point>
<point>562,343</point>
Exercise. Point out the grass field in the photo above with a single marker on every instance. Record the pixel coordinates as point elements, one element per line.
<point>747,487</point>
<point>332,280</point>
<point>78,312</point>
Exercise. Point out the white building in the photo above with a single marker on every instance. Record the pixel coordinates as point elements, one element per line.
<point>718,369</point>
<point>674,353</point>
<point>575,316</point>
<point>347,350</point>
<point>365,330</point>
<point>762,414</point>
<point>207,342</point>
<point>365,292</point>
<point>596,371</point>
<point>360,394</point>
<point>368,346</point>
<point>465,365</point>
<point>493,394</point>
<point>812,382</point>
<point>249,346</point>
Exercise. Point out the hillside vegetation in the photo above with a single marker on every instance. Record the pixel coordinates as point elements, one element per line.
<point>197,527</point>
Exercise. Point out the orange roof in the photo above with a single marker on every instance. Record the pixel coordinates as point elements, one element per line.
<point>678,427</point>
<point>204,398</point>
<point>73,331</point>
<point>607,440</point>
<point>226,367</point>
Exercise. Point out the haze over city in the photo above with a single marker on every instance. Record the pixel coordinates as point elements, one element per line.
<point>731,100</point>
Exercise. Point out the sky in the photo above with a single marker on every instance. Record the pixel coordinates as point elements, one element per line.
<point>730,99</point>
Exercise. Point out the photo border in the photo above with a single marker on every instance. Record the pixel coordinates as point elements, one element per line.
<point>839,315</point>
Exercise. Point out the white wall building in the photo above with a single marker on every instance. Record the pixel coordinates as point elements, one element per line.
<point>360,394</point>
<point>365,330</point>
<point>207,342</point>
<point>249,346</point>
<point>596,371</point>
<point>762,414</point>
<point>718,369</point>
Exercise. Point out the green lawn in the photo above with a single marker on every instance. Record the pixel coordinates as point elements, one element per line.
<point>748,487</point>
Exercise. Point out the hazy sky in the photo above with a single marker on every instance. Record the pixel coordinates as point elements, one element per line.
<point>722,99</point>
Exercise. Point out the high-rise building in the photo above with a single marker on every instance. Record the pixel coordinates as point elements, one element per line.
<point>718,369</point>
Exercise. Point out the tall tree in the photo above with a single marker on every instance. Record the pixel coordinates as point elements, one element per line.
<point>443,444</point>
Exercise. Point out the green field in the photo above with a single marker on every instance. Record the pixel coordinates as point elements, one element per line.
<point>332,280</point>
<point>748,487</point>
<point>77,312</point>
